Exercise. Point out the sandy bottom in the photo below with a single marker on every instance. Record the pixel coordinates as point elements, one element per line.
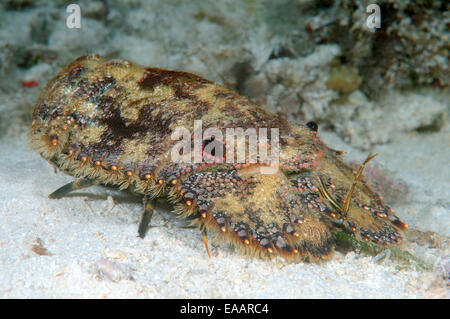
<point>85,245</point>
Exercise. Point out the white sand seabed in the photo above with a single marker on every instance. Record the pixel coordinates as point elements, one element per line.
<point>95,253</point>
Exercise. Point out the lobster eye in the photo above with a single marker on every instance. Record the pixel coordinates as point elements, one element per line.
<point>312,126</point>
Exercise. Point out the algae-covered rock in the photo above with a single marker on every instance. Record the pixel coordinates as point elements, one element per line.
<point>344,79</point>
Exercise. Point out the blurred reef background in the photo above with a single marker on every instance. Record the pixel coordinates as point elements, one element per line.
<point>383,90</point>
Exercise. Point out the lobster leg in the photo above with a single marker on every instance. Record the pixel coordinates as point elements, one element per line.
<point>149,206</point>
<point>72,186</point>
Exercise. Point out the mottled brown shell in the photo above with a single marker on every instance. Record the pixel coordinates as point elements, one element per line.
<point>111,122</point>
